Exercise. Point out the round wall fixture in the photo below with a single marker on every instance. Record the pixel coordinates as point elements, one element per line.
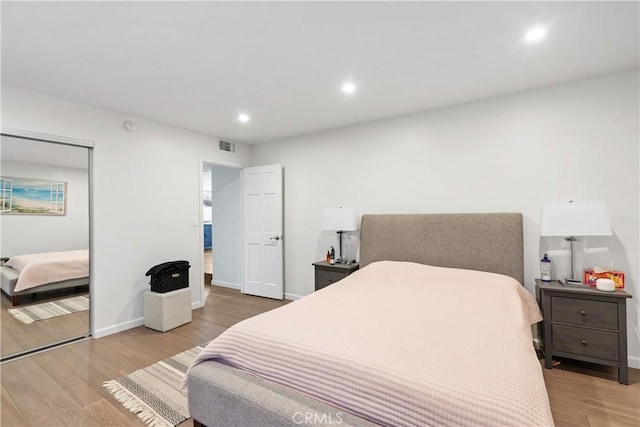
<point>129,126</point>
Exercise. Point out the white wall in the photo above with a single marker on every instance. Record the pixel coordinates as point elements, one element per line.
<point>146,192</point>
<point>575,141</point>
<point>25,234</point>
<point>227,231</point>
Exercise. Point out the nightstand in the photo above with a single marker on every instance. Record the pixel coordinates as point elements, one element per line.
<point>327,274</point>
<point>584,324</point>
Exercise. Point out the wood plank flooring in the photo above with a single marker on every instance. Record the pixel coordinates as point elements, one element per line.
<point>17,337</point>
<point>62,387</point>
<point>584,394</point>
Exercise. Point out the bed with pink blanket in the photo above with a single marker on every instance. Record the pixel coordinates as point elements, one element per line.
<point>34,273</point>
<point>401,342</point>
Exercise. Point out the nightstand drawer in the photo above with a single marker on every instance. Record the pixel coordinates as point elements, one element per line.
<point>582,312</point>
<point>325,277</point>
<point>586,342</point>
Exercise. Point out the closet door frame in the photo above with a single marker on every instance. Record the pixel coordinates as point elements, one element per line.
<point>84,143</point>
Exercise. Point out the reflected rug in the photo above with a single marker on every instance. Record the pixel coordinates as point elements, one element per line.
<point>154,393</point>
<point>48,310</point>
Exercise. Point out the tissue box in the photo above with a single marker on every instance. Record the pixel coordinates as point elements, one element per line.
<point>591,276</point>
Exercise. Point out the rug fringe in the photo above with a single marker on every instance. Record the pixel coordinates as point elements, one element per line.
<point>15,312</point>
<point>135,405</point>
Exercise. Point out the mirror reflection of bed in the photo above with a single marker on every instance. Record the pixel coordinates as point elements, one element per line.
<point>44,196</point>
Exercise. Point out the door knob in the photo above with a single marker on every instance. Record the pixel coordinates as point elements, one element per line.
<point>276,238</point>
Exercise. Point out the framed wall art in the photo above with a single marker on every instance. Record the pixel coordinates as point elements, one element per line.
<point>26,196</point>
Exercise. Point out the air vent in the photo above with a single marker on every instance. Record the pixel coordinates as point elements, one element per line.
<point>227,146</point>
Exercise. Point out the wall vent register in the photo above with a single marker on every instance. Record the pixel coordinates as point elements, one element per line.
<point>227,146</point>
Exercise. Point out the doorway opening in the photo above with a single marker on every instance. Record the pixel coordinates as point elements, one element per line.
<point>221,227</point>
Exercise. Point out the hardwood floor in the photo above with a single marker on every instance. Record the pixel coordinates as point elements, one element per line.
<point>584,394</point>
<point>17,337</point>
<point>63,386</point>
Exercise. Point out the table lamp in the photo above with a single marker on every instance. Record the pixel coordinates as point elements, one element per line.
<point>340,220</point>
<point>573,219</point>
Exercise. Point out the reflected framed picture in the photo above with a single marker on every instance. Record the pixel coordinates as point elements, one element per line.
<point>26,196</point>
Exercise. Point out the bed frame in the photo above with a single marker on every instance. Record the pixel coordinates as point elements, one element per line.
<point>222,395</point>
<point>9,278</point>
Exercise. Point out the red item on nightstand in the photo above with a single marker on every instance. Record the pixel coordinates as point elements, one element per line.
<point>590,277</point>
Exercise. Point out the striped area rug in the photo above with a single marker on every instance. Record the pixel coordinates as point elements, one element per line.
<point>154,393</point>
<point>47,310</point>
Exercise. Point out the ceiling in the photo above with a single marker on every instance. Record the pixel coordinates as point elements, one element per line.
<point>197,65</point>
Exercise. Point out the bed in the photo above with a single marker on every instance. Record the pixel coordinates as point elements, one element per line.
<point>434,329</point>
<point>36,273</point>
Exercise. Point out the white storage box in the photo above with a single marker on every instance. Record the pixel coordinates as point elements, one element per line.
<point>168,310</point>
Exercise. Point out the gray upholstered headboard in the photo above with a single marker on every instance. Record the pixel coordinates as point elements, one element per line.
<point>484,241</point>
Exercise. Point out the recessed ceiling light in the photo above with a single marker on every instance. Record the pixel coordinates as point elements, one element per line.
<point>243,118</point>
<point>535,34</point>
<point>348,88</point>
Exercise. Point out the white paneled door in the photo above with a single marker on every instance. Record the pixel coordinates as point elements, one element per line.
<point>263,246</point>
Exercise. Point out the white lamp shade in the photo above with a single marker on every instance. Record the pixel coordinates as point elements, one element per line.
<point>340,219</point>
<point>575,219</point>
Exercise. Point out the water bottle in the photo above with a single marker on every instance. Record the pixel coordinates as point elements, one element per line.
<point>545,269</point>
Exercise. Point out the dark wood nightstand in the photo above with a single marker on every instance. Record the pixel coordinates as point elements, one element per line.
<point>584,324</point>
<point>327,274</point>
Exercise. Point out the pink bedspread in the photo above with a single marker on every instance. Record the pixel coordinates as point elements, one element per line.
<point>403,344</point>
<point>39,269</point>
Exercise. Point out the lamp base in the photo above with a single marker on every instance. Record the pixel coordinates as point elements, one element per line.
<point>573,283</point>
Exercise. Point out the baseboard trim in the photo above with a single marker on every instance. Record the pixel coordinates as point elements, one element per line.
<point>99,333</point>
<point>223,284</point>
<point>634,362</point>
<point>131,324</point>
<point>230,285</point>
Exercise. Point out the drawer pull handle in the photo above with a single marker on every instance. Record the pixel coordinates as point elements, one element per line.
<point>582,312</point>
<point>584,342</point>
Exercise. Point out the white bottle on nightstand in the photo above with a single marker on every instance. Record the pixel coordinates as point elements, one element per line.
<point>545,269</point>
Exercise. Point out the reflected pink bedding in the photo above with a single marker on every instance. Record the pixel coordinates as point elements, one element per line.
<point>39,269</point>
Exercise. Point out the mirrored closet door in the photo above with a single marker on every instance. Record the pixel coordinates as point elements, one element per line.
<point>44,218</point>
